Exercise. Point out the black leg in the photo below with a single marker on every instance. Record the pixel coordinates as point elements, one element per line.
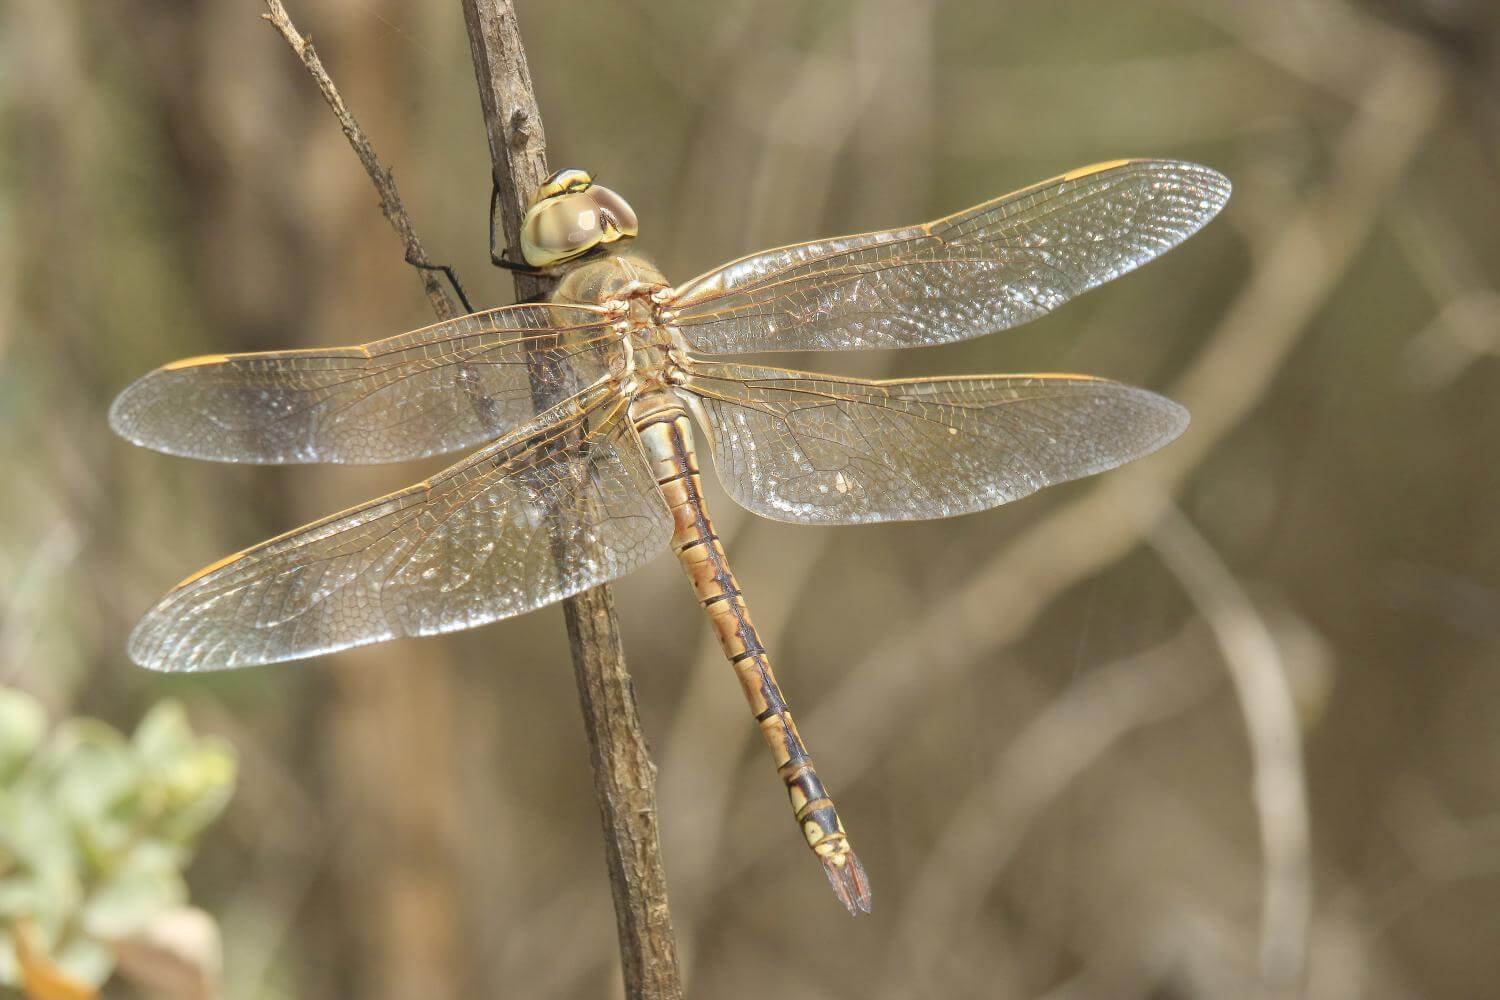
<point>448,273</point>
<point>498,257</point>
<point>500,260</point>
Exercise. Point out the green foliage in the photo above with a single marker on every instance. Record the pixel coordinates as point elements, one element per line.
<point>96,829</point>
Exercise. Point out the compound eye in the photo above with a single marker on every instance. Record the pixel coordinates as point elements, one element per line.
<point>560,229</point>
<point>616,209</point>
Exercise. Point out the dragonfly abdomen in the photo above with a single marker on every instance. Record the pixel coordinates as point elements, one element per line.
<point>667,435</point>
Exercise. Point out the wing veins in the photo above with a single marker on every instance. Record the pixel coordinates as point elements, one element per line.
<point>989,267</point>
<point>929,231</point>
<point>399,517</point>
<point>483,483</point>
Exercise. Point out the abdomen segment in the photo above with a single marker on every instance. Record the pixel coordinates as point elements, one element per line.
<point>668,438</point>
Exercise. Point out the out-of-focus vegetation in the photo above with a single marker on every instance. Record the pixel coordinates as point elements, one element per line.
<point>95,830</point>
<point>1035,719</point>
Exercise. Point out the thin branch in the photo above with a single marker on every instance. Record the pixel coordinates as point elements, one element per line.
<point>391,205</point>
<point>624,776</point>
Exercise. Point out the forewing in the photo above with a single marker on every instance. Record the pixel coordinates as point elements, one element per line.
<point>797,446</point>
<point>991,267</point>
<point>564,502</point>
<point>434,390</point>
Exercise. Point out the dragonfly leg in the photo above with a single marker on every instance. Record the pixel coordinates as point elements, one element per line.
<point>448,273</point>
<point>500,256</point>
<point>668,439</point>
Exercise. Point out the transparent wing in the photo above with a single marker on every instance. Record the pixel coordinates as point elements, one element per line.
<point>496,535</point>
<point>798,446</point>
<point>991,267</point>
<point>434,390</point>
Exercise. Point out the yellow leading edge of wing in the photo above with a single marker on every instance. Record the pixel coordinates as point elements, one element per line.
<point>202,359</point>
<point>1093,168</point>
<point>210,568</point>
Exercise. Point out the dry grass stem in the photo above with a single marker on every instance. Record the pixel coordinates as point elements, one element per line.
<point>1279,775</point>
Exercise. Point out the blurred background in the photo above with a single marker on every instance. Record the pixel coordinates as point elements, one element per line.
<point>1219,723</point>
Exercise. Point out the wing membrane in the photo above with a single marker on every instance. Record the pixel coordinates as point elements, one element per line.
<point>989,268</point>
<point>434,390</point>
<point>564,502</point>
<point>797,446</point>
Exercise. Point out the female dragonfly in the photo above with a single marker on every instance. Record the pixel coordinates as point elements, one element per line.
<point>582,403</point>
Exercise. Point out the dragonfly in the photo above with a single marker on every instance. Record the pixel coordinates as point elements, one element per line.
<point>584,409</point>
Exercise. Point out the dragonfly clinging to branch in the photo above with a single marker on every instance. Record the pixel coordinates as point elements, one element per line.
<point>604,475</point>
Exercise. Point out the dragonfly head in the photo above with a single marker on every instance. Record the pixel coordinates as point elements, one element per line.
<point>571,215</point>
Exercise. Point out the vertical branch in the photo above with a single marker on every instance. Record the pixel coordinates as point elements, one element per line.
<point>624,776</point>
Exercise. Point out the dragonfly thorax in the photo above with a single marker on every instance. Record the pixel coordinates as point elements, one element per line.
<point>631,287</point>
<point>614,277</point>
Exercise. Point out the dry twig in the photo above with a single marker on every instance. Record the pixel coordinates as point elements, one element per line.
<point>624,776</point>
<point>391,205</point>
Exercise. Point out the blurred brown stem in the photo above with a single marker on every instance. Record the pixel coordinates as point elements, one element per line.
<point>1264,691</point>
<point>624,776</point>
